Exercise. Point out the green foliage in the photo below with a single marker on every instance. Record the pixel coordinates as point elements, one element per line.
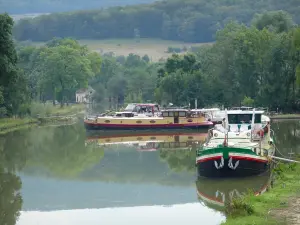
<point>40,109</point>
<point>13,89</point>
<point>189,20</point>
<point>250,209</point>
<point>247,101</point>
<point>48,6</point>
<point>277,21</point>
<point>124,79</point>
<point>239,207</point>
<point>58,69</point>
<point>244,61</point>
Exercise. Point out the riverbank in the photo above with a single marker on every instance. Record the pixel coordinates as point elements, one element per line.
<point>278,205</point>
<point>54,114</point>
<point>285,116</point>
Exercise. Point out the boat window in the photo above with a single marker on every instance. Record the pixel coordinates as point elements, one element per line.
<point>243,118</point>
<point>176,113</point>
<point>149,109</point>
<point>182,114</point>
<point>237,118</point>
<point>257,118</point>
<point>156,109</point>
<point>165,114</point>
<point>171,114</point>
<point>130,108</point>
<point>129,114</point>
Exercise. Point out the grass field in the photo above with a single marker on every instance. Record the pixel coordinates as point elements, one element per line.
<point>154,48</point>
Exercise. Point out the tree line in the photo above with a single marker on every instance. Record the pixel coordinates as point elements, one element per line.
<point>253,65</point>
<point>48,6</point>
<point>257,66</point>
<point>189,20</point>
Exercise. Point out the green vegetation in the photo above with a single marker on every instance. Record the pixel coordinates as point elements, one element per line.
<point>11,124</point>
<point>250,209</point>
<point>31,76</point>
<point>48,6</point>
<point>254,65</point>
<point>48,109</point>
<point>40,113</point>
<point>284,116</point>
<point>244,61</point>
<point>189,20</point>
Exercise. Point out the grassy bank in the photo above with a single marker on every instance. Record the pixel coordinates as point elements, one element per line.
<point>11,124</point>
<point>285,116</point>
<point>272,207</point>
<point>40,113</point>
<point>154,48</point>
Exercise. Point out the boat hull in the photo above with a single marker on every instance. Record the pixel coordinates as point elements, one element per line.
<point>96,126</point>
<point>231,163</point>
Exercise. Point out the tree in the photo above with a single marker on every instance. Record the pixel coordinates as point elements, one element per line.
<point>13,89</point>
<point>277,21</point>
<point>67,66</point>
<point>247,101</point>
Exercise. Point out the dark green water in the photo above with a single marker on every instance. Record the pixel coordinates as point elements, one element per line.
<point>58,175</point>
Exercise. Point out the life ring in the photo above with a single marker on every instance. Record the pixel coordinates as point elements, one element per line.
<point>260,132</point>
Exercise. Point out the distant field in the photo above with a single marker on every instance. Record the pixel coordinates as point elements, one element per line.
<point>17,17</point>
<point>154,48</point>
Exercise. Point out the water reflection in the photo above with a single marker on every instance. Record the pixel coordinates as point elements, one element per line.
<point>287,137</point>
<point>10,182</point>
<point>216,193</point>
<point>57,172</point>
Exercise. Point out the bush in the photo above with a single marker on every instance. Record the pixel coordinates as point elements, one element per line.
<point>174,50</point>
<point>40,109</point>
<point>239,207</point>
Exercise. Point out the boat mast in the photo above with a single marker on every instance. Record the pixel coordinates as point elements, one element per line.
<point>226,127</point>
<point>252,123</point>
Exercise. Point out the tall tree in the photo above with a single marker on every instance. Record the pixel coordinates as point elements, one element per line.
<point>12,81</point>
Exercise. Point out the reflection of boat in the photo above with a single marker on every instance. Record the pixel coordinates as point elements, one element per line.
<point>168,119</point>
<point>215,193</point>
<point>148,141</point>
<point>241,146</point>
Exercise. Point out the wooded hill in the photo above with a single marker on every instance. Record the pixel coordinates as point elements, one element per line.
<point>189,20</point>
<point>50,6</point>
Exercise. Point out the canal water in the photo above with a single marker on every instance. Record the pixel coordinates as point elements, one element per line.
<point>63,175</point>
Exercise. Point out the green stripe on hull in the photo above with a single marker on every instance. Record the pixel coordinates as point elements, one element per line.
<point>225,151</point>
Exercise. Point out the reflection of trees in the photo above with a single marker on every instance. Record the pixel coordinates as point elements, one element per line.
<point>179,159</point>
<point>287,136</point>
<point>61,151</point>
<point>10,197</point>
<point>12,159</point>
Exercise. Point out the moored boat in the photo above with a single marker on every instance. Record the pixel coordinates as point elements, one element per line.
<point>241,146</point>
<point>167,119</point>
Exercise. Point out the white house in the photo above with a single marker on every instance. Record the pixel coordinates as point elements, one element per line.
<point>83,95</point>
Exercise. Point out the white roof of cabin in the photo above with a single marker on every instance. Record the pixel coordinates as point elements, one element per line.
<point>244,112</point>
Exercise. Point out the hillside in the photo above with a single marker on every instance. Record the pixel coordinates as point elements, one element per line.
<point>50,6</point>
<point>189,21</point>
